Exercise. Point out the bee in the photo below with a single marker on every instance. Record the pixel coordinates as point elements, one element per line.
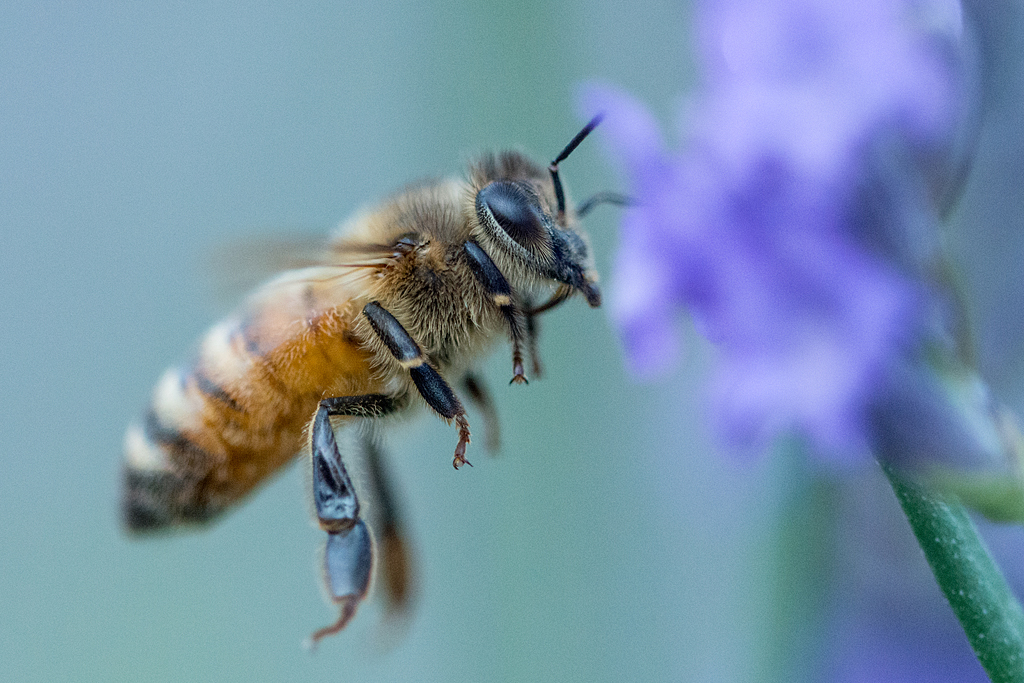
<point>403,302</point>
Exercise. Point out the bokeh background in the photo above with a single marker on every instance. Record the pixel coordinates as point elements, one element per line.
<point>610,541</point>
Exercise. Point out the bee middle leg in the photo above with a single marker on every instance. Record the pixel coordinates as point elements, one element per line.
<point>432,387</point>
<point>532,332</point>
<point>481,398</point>
<point>348,557</point>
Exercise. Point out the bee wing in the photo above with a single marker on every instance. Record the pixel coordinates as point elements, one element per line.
<point>237,266</point>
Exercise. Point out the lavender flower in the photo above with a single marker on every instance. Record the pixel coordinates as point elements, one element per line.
<point>797,220</point>
<point>798,225</point>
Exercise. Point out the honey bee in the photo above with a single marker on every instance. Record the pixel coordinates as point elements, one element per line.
<point>407,294</point>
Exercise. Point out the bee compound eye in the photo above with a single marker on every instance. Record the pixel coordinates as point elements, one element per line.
<point>516,212</point>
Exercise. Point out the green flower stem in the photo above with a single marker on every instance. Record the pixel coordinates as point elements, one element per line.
<point>973,584</point>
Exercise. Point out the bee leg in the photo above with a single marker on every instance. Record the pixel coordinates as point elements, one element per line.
<point>481,398</point>
<point>613,198</point>
<point>532,332</point>
<point>396,564</point>
<point>432,387</point>
<point>500,292</point>
<point>348,557</point>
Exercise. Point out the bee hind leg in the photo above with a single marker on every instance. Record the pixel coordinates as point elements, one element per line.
<point>348,557</point>
<point>395,562</point>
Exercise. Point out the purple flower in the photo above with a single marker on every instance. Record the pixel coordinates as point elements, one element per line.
<point>790,223</point>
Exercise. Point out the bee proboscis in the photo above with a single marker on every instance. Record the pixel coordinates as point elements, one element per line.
<point>407,298</point>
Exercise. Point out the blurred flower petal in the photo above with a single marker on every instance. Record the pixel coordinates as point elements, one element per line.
<point>786,225</point>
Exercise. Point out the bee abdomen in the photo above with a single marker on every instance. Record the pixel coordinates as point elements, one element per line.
<point>167,474</point>
<point>157,500</point>
<point>221,424</point>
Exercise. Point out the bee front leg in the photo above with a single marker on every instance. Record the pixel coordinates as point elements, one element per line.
<point>500,291</point>
<point>432,387</point>
<point>348,557</point>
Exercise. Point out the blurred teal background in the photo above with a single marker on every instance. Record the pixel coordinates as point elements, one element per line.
<point>608,542</point>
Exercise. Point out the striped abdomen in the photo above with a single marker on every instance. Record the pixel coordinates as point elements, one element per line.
<point>220,425</point>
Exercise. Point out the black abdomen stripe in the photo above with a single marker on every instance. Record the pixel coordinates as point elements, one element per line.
<point>214,390</point>
<point>165,470</point>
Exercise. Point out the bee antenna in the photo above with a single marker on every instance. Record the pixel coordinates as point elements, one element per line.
<point>613,198</point>
<point>573,144</point>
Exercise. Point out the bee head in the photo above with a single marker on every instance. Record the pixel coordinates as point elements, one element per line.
<point>510,211</point>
